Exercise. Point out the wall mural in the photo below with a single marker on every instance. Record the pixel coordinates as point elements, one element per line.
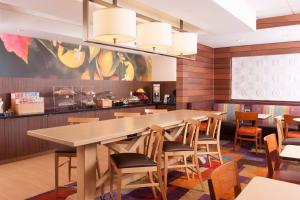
<point>22,56</point>
<point>269,77</point>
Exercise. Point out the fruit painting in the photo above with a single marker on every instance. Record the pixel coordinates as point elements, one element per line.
<point>22,56</point>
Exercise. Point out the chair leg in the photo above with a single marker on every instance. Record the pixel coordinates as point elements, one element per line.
<point>198,170</point>
<point>56,163</point>
<point>208,155</point>
<point>166,170</point>
<point>150,176</point>
<point>98,169</point>
<point>119,185</point>
<point>186,167</point>
<point>69,168</point>
<point>256,144</point>
<point>235,142</point>
<point>219,153</point>
<point>162,187</point>
<point>111,174</point>
<point>260,141</point>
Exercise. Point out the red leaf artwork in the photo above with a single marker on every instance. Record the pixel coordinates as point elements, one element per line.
<point>17,44</point>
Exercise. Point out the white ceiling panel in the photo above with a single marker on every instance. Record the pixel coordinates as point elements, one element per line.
<point>295,5</point>
<point>271,8</point>
<point>261,36</point>
<point>214,16</point>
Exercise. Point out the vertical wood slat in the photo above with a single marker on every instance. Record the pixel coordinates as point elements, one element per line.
<point>195,80</point>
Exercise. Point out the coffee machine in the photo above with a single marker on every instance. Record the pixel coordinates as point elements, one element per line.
<point>156,93</point>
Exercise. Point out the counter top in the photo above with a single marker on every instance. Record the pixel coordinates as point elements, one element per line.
<point>76,110</point>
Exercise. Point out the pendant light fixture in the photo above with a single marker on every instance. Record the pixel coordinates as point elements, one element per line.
<point>114,25</point>
<point>154,36</point>
<point>183,43</point>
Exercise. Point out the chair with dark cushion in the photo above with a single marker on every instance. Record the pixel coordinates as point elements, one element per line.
<point>133,163</point>
<point>211,137</point>
<point>70,152</point>
<point>288,122</point>
<point>273,162</point>
<point>184,149</point>
<point>247,128</point>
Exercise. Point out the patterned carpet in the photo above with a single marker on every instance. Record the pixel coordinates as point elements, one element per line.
<point>179,187</point>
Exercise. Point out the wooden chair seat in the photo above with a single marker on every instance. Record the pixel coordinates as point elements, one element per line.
<point>66,149</point>
<point>129,160</point>
<point>287,176</point>
<point>293,134</point>
<point>251,131</point>
<point>291,141</point>
<point>171,146</point>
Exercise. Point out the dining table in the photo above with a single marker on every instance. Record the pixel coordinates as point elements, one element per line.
<point>86,137</point>
<point>290,152</point>
<point>262,188</point>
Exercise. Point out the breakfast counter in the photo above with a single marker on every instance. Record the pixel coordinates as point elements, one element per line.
<point>15,144</point>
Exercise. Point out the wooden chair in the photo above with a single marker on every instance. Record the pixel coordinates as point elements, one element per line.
<point>153,111</point>
<point>211,137</point>
<point>273,162</point>
<point>126,114</point>
<point>223,179</point>
<point>70,152</point>
<point>184,149</point>
<point>131,163</point>
<point>281,137</point>
<point>288,121</point>
<point>247,132</point>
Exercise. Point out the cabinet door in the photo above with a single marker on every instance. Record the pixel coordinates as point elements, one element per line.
<point>36,145</point>
<point>19,143</point>
<point>15,130</point>
<point>3,141</point>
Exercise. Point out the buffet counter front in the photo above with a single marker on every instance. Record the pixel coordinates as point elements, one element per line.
<point>15,144</point>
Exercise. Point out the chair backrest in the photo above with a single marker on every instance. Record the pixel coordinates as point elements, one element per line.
<point>246,116</point>
<point>214,125</point>
<point>191,131</point>
<point>223,179</point>
<point>289,120</point>
<point>154,143</point>
<point>80,120</point>
<point>280,133</point>
<point>152,111</point>
<point>272,154</point>
<point>126,114</point>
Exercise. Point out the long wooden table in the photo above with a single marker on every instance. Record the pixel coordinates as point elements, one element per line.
<point>261,188</point>
<point>85,138</point>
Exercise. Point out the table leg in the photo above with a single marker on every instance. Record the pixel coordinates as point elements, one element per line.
<point>86,169</point>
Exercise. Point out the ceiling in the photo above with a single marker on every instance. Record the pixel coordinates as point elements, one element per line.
<point>272,8</point>
<point>219,23</point>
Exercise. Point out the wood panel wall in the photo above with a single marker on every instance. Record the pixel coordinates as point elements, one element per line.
<point>195,80</point>
<point>222,63</point>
